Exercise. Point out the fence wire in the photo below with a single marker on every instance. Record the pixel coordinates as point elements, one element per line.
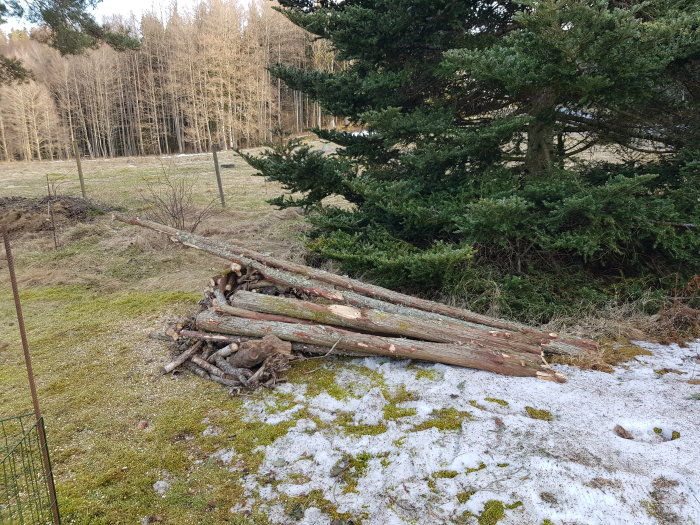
<point>24,487</point>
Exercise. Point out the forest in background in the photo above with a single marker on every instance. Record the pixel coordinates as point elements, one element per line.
<point>199,79</point>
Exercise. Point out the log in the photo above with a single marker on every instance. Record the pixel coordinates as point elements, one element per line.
<point>297,347</point>
<point>184,356</point>
<point>213,371</point>
<point>238,373</point>
<point>197,370</point>
<point>223,352</point>
<point>473,355</point>
<point>374,321</point>
<point>255,352</point>
<point>311,280</point>
<point>216,338</point>
<point>254,314</point>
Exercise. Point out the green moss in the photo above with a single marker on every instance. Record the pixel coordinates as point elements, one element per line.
<point>296,506</point>
<point>473,403</point>
<point>376,378</point>
<point>547,522</point>
<point>493,511</point>
<point>319,378</point>
<point>356,468</point>
<point>501,402</point>
<point>345,421</point>
<point>399,395</point>
<point>280,402</point>
<point>431,375</point>
<point>481,466</point>
<point>444,419</point>
<point>491,514</point>
<point>658,430</point>
<point>298,479</point>
<point>503,465</point>
<point>535,413</point>
<point>392,412</point>
<point>675,435</point>
<point>445,474</point>
<point>463,497</point>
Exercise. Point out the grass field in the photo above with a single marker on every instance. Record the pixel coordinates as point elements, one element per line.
<point>367,441</point>
<point>89,307</point>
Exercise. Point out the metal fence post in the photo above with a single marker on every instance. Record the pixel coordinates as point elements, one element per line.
<point>32,386</point>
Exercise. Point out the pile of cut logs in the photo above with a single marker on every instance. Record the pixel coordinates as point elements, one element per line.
<point>262,311</point>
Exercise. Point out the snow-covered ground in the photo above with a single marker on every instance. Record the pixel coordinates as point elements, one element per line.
<point>499,462</point>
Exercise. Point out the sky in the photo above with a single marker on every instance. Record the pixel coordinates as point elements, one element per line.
<point>107,8</point>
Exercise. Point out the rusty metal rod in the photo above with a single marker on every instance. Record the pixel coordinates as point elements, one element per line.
<point>32,385</point>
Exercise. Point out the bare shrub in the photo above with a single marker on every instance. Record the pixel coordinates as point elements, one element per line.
<point>171,200</point>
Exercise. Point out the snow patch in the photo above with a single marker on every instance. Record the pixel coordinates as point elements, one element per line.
<point>572,469</point>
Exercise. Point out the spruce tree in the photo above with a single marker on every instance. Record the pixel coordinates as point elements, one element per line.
<point>67,26</point>
<point>471,110</point>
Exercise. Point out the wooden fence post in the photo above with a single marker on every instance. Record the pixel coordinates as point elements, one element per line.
<point>76,152</point>
<point>218,174</point>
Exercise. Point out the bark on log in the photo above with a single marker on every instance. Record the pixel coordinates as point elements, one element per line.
<point>468,355</point>
<point>214,371</point>
<point>197,370</point>
<point>297,347</point>
<point>223,352</point>
<point>216,338</point>
<point>254,314</point>
<point>253,353</point>
<point>184,356</point>
<point>278,271</point>
<point>374,321</point>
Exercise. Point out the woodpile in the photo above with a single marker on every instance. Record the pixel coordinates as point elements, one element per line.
<point>262,312</point>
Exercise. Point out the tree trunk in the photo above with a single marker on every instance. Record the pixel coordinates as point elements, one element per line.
<point>540,156</point>
<point>468,355</point>
<point>540,147</point>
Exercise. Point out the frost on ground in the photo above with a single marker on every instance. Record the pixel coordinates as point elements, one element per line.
<point>399,443</point>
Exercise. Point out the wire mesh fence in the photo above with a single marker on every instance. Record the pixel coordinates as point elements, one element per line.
<point>25,497</point>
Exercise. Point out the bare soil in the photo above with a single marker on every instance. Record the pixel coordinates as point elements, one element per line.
<point>23,215</point>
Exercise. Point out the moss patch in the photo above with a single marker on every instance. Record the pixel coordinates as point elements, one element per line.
<point>345,421</point>
<point>430,375</point>
<point>463,497</point>
<point>296,506</point>
<point>356,468</point>
<point>481,466</point>
<point>319,377</point>
<point>501,402</point>
<point>445,474</point>
<point>444,419</point>
<point>536,413</point>
<point>399,395</point>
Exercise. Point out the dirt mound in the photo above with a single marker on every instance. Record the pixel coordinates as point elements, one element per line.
<point>22,215</point>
